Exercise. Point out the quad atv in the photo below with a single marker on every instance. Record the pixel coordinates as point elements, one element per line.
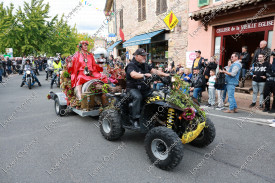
<point>169,117</point>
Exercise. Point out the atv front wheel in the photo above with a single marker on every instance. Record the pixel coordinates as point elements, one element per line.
<point>206,136</point>
<point>110,125</point>
<point>164,147</point>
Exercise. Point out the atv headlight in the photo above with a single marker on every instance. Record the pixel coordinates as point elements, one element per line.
<point>28,72</point>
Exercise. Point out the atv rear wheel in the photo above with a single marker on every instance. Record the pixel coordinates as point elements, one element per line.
<point>163,147</point>
<point>206,136</point>
<point>110,124</point>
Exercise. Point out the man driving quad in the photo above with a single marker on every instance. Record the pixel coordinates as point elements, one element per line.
<point>56,66</point>
<point>28,66</point>
<point>136,72</point>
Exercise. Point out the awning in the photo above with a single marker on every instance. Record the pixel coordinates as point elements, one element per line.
<point>113,46</point>
<point>141,39</point>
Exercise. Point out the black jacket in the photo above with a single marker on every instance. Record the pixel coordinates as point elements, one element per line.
<point>197,81</point>
<point>220,81</point>
<point>9,63</point>
<point>266,51</point>
<point>208,67</point>
<point>271,71</point>
<point>139,68</point>
<point>245,59</point>
<point>260,70</point>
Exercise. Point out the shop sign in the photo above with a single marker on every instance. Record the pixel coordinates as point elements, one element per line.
<point>245,27</point>
<point>171,20</point>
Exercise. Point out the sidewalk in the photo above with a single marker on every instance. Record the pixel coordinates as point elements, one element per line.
<point>243,102</point>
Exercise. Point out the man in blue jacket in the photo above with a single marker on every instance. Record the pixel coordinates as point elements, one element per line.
<point>232,80</point>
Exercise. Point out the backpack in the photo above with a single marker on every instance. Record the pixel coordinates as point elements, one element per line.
<point>220,81</point>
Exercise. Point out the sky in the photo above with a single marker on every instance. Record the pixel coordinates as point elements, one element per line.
<point>88,18</point>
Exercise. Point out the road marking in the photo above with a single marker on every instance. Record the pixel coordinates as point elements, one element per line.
<point>240,119</point>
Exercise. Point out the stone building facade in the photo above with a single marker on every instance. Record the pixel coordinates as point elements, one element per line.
<point>128,17</point>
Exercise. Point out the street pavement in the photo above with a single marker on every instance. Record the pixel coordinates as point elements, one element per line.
<point>37,146</point>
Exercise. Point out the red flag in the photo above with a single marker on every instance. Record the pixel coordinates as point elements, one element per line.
<point>121,34</point>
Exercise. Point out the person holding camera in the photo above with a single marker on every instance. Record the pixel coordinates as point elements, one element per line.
<point>270,86</point>
<point>259,79</point>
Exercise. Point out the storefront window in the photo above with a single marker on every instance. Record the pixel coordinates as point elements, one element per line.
<point>158,51</point>
<point>270,37</point>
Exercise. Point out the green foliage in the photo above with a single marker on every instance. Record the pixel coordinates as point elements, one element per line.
<point>179,98</point>
<point>66,74</point>
<point>31,31</point>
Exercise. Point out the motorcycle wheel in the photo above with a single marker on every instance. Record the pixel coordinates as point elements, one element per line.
<point>29,83</point>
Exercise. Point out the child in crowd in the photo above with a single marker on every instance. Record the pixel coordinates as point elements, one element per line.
<point>220,86</point>
<point>211,89</point>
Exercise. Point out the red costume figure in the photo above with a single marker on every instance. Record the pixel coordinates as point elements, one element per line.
<point>83,68</point>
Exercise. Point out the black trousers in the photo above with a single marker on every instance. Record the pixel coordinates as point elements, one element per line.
<point>269,88</point>
<point>137,97</point>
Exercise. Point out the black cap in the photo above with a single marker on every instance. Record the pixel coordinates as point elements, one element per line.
<point>196,68</point>
<point>199,51</point>
<point>140,51</point>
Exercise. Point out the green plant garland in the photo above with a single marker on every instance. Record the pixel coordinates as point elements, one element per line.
<point>181,99</point>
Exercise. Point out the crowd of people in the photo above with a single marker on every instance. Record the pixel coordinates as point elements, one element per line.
<point>203,76</point>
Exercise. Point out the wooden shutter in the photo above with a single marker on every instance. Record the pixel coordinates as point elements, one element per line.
<point>139,10</point>
<point>143,10</point>
<point>121,19</point>
<point>158,7</point>
<point>163,6</point>
<point>203,3</point>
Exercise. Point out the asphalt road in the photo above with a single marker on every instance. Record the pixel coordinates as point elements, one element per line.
<point>37,146</point>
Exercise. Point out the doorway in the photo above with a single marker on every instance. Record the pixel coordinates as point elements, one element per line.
<point>251,40</point>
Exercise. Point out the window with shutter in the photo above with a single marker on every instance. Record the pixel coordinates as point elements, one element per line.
<point>161,6</point>
<point>203,3</point>
<point>121,19</point>
<point>164,6</point>
<point>158,7</point>
<point>139,10</point>
<point>143,10</point>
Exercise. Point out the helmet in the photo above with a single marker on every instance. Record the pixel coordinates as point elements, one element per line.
<point>56,59</point>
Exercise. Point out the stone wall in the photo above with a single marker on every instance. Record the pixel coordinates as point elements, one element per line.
<point>131,26</point>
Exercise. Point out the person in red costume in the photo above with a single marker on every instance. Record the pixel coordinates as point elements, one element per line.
<point>83,68</point>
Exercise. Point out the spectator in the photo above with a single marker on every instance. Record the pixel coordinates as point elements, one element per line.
<point>158,84</point>
<point>178,68</point>
<point>9,64</point>
<point>262,50</point>
<point>187,75</point>
<point>198,61</point>
<point>211,88</point>
<point>4,67</point>
<point>152,64</point>
<point>220,86</point>
<point>245,57</point>
<point>1,69</point>
<point>259,79</point>
<point>111,61</point>
<point>226,104</point>
<point>197,82</point>
<point>232,80</point>
<point>270,86</point>
<point>209,66</point>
